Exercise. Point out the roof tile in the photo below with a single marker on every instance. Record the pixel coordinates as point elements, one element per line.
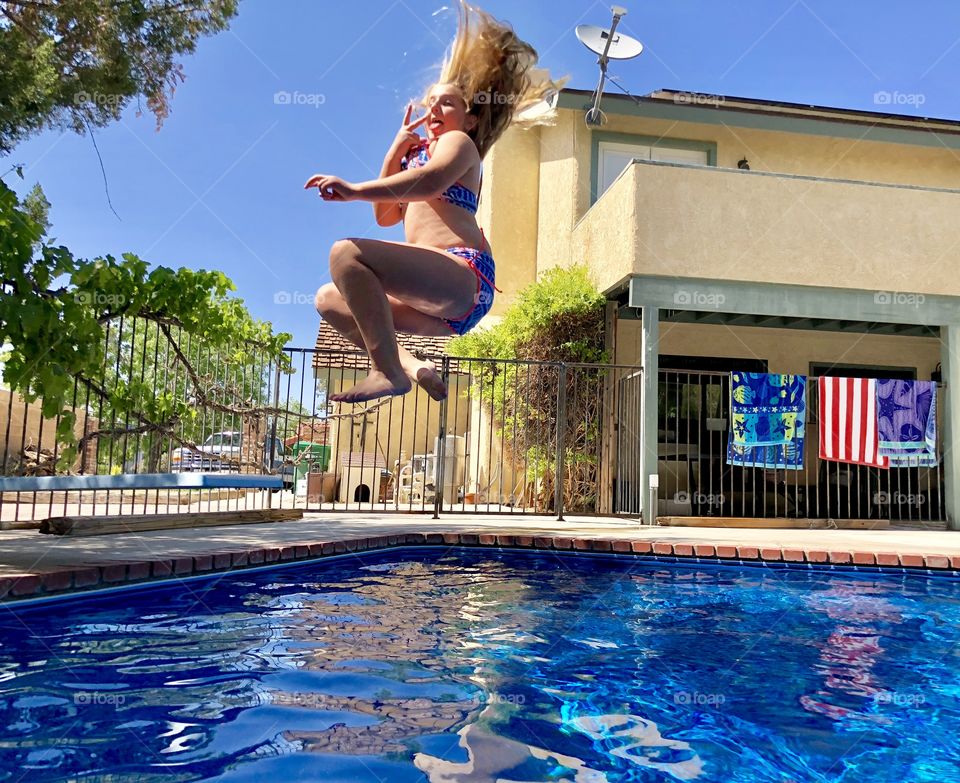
<point>335,351</point>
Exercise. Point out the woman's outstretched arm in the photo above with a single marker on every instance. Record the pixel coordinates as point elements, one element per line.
<point>453,156</point>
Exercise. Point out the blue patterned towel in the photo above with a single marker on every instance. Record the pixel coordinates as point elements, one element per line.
<point>767,415</point>
<point>907,422</point>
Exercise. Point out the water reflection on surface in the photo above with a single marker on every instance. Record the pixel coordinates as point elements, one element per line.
<point>473,666</point>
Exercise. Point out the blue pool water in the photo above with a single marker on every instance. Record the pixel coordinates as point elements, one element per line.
<point>484,666</point>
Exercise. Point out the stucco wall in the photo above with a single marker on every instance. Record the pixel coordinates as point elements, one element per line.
<point>689,221</point>
<point>799,153</point>
<point>514,193</point>
<point>561,171</point>
<point>405,426</point>
<point>810,230</point>
<point>606,239</point>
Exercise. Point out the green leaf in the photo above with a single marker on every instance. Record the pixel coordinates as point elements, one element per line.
<point>125,371</point>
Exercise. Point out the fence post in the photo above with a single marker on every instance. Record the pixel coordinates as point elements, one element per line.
<point>649,407</point>
<point>439,473</point>
<point>268,447</point>
<point>950,359</point>
<point>561,440</point>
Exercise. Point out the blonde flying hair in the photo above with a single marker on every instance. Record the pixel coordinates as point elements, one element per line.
<point>496,73</point>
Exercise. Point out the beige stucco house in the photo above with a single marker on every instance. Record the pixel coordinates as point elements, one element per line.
<point>733,234</point>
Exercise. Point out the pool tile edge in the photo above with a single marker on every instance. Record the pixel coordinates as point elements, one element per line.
<point>79,579</point>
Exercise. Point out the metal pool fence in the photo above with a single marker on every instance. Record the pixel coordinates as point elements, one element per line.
<point>696,479</point>
<point>512,437</point>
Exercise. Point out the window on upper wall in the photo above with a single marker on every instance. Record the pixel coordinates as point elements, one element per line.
<point>614,157</point>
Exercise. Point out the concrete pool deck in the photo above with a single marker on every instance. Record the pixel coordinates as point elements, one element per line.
<point>33,565</point>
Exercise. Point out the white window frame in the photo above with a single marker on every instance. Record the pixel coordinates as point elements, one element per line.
<point>644,152</point>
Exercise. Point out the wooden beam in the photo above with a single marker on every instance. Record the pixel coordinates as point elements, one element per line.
<point>774,322</point>
<point>796,301</point>
<point>136,523</point>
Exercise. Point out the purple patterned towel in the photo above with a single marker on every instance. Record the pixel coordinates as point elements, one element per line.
<point>907,422</point>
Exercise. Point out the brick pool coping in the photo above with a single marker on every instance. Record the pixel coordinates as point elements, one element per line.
<point>73,579</point>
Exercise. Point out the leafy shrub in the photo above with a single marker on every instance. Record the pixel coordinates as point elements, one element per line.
<point>558,320</point>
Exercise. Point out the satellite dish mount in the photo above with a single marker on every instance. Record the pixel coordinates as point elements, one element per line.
<point>610,46</point>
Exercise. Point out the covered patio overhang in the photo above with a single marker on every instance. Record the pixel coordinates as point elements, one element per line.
<point>655,298</point>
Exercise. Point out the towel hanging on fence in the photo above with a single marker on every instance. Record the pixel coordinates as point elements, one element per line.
<point>767,413</point>
<point>848,421</point>
<point>907,422</point>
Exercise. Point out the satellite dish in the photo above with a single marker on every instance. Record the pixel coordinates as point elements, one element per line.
<point>596,39</point>
<point>609,45</point>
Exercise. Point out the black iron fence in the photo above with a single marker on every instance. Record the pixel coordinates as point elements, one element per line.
<point>156,367</point>
<point>511,437</point>
<point>696,478</point>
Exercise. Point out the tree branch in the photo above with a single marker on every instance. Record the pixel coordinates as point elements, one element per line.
<point>31,4</point>
<point>146,426</point>
<point>202,397</point>
<point>166,429</point>
<point>30,33</point>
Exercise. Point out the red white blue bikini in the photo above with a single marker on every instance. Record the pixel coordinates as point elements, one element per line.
<point>480,261</point>
<point>457,194</point>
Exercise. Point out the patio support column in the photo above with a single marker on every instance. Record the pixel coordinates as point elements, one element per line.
<point>950,361</point>
<point>650,362</point>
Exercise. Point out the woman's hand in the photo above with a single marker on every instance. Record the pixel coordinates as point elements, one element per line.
<point>406,138</point>
<point>332,188</point>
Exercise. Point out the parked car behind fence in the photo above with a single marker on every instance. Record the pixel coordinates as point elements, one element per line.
<point>221,452</point>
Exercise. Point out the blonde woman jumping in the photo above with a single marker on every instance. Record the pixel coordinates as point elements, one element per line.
<point>441,280</point>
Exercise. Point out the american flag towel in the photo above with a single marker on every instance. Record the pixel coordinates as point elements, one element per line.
<point>848,421</point>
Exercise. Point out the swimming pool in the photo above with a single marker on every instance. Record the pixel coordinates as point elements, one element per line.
<point>479,665</point>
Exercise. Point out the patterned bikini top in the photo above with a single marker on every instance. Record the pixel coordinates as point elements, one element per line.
<point>457,194</point>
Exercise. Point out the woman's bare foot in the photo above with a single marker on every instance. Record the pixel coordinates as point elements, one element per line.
<point>375,385</point>
<point>425,375</point>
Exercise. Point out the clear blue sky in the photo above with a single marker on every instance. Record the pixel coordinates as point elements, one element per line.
<point>220,186</point>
